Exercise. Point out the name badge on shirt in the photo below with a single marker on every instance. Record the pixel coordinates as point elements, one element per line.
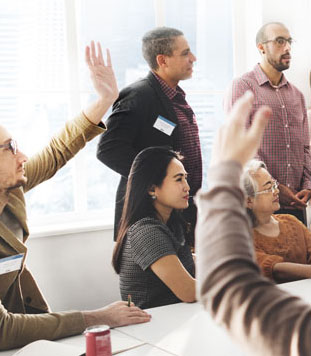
<point>164,125</point>
<point>11,263</point>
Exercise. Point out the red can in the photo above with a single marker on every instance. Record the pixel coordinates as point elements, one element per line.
<point>98,341</point>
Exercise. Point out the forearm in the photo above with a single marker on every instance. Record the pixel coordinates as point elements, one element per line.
<point>62,147</point>
<point>17,330</point>
<point>172,272</point>
<point>287,271</point>
<point>187,294</point>
<point>184,289</point>
<point>96,111</point>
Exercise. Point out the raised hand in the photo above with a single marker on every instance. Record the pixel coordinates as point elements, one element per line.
<point>104,82</point>
<point>234,141</point>
<point>102,74</point>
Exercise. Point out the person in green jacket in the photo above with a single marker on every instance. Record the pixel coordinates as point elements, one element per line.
<point>24,313</point>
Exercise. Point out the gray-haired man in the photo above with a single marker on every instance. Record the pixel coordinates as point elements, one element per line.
<point>153,112</point>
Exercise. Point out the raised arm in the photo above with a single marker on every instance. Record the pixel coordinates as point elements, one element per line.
<point>76,133</point>
<point>266,320</point>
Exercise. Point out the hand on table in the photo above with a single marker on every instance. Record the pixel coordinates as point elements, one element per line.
<point>116,314</point>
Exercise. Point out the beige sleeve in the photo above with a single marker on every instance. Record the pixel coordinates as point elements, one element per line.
<point>17,330</point>
<point>62,147</point>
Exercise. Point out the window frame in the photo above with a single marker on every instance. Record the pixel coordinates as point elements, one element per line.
<point>80,220</point>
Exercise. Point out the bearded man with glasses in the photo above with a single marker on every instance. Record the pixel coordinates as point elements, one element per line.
<point>285,146</point>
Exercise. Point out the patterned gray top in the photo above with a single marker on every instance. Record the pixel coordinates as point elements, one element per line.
<point>147,241</point>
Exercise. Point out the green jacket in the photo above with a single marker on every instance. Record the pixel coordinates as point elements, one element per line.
<point>18,288</point>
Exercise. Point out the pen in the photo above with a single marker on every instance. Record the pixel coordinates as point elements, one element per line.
<point>129,300</point>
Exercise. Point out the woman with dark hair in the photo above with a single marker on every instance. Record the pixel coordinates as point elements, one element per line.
<point>152,254</point>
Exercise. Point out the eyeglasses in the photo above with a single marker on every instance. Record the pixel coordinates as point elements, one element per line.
<point>281,41</point>
<point>273,188</point>
<point>11,145</point>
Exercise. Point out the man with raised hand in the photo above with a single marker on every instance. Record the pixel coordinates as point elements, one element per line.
<point>24,313</point>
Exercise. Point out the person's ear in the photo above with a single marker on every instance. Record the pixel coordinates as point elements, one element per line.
<point>151,192</point>
<point>261,48</point>
<point>161,60</point>
<point>249,202</point>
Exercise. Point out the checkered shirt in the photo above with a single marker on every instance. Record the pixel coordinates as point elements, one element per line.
<point>285,145</point>
<point>187,135</point>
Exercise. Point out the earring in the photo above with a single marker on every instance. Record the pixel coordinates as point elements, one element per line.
<point>153,197</point>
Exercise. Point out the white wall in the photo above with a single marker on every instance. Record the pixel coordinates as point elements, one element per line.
<point>296,16</point>
<point>250,15</point>
<point>74,271</point>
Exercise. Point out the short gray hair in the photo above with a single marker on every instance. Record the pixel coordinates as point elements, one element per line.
<point>249,184</point>
<point>261,34</point>
<point>159,41</point>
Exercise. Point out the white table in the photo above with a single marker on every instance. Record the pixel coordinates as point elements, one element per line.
<point>78,342</point>
<point>143,350</point>
<point>301,289</point>
<point>186,329</point>
<point>182,330</point>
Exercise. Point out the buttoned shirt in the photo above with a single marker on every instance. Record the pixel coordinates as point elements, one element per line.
<point>188,141</point>
<point>285,145</point>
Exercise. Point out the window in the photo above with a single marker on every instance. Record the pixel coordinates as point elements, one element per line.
<point>44,81</point>
<point>33,88</point>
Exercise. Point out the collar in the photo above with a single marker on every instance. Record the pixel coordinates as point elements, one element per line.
<point>170,92</point>
<point>262,78</point>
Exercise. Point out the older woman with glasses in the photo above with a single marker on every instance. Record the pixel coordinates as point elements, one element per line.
<point>282,243</point>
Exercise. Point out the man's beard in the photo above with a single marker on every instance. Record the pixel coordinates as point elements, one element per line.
<point>18,184</point>
<point>279,66</point>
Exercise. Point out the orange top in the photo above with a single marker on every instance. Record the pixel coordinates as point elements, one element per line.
<point>292,245</point>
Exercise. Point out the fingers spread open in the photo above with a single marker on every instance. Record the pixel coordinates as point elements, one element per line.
<point>100,54</point>
<point>87,56</point>
<point>109,63</point>
<point>93,53</point>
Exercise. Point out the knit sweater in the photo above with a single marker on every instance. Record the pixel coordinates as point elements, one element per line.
<point>293,244</point>
<point>147,241</point>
